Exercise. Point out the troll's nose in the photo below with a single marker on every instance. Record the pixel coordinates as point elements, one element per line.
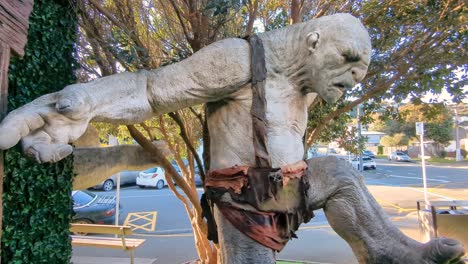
<point>358,73</point>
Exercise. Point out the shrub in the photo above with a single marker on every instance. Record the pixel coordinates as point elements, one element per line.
<point>443,154</point>
<point>464,153</point>
<point>380,150</point>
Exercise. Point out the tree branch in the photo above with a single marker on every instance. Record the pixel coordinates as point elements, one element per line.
<point>253,8</point>
<point>148,130</point>
<point>109,16</point>
<point>197,115</point>
<point>182,24</point>
<point>183,133</point>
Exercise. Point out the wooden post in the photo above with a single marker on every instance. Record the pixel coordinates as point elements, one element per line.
<point>14,15</point>
<point>4,62</point>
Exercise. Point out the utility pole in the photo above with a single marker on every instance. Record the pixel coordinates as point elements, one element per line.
<point>420,132</point>
<point>458,156</point>
<point>455,107</point>
<point>359,136</point>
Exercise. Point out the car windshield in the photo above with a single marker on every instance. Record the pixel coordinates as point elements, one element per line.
<point>81,198</point>
<point>400,154</point>
<point>174,164</point>
<point>152,170</point>
<point>363,158</point>
<point>179,171</point>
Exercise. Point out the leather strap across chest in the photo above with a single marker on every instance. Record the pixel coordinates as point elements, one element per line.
<point>258,109</point>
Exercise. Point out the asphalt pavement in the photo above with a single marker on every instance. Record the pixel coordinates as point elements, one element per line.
<point>396,186</point>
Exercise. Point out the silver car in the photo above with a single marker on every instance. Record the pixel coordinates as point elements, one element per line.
<point>126,177</point>
<point>399,156</point>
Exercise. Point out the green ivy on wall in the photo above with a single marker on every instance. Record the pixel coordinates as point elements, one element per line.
<point>37,210</point>
<point>37,207</point>
<point>48,64</point>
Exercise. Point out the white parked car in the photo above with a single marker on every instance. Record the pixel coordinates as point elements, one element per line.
<point>367,163</point>
<point>399,156</point>
<point>153,177</point>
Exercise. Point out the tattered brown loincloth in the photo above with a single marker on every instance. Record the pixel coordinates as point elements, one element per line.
<point>266,204</point>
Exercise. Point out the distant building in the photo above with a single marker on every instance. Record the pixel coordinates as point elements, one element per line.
<point>373,137</point>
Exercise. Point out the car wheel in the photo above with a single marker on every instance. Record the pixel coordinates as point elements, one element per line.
<point>160,184</point>
<point>108,185</point>
<point>81,221</point>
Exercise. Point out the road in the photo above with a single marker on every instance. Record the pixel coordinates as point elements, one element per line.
<point>410,174</point>
<point>396,186</point>
<point>444,182</point>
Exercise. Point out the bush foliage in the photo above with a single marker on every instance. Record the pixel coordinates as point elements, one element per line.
<point>37,210</point>
<point>36,200</point>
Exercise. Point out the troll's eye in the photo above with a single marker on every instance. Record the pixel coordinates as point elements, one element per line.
<point>351,57</point>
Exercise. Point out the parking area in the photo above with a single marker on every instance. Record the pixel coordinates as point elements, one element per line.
<point>142,221</point>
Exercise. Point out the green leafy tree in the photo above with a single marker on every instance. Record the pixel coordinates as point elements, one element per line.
<point>401,139</point>
<point>396,140</point>
<point>441,133</point>
<point>388,142</point>
<point>436,117</point>
<point>378,123</point>
<point>410,46</point>
<point>133,34</point>
<point>350,143</point>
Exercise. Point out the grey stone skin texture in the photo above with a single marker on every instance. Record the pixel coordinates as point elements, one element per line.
<point>317,59</point>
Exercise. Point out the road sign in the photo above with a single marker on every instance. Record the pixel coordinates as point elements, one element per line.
<point>419,128</point>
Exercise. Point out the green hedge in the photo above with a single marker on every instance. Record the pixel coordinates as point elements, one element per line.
<point>37,210</point>
<point>37,207</point>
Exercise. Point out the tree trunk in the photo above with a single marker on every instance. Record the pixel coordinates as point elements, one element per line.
<point>253,10</point>
<point>296,6</point>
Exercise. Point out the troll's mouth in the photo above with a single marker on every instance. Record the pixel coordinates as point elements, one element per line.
<point>340,86</point>
<point>333,93</point>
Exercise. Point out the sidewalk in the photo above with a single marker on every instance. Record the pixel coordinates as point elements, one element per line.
<point>459,164</point>
<point>104,260</point>
<point>324,246</point>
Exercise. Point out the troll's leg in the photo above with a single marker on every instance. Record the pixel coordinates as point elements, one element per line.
<point>355,215</point>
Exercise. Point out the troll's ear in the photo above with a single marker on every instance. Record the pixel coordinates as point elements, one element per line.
<point>312,40</point>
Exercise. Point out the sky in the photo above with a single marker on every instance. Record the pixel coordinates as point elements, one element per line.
<point>444,96</point>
